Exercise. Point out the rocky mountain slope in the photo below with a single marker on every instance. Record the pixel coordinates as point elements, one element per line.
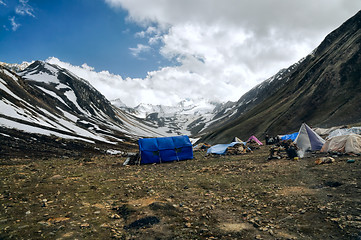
<point>324,89</point>
<point>45,105</point>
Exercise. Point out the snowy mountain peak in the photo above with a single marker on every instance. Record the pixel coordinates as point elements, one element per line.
<point>118,103</point>
<point>184,107</point>
<point>15,66</point>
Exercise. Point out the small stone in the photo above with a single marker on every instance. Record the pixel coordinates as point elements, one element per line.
<point>44,223</point>
<point>255,224</point>
<point>187,225</point>
<point>84,225</point>
<point>322,208</point>
<point>44,203</point>
<point>104,225</point>
<point>115,216</point>
<point>56,177</point>
<point>336,220</point>
<point>302,211</point>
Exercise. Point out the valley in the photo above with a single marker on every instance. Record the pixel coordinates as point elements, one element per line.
<point>63,145</point>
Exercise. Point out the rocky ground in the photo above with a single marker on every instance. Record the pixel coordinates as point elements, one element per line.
<point>230,197</point>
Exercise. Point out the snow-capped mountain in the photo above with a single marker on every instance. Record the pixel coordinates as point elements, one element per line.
<point>118,103</point>
<point>44,99</point>
<point>16,67</point>
<point>187,117</point>
<point>186,107</point>
<point>49,100</point>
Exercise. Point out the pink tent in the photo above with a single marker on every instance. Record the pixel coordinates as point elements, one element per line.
<point>254,139</point>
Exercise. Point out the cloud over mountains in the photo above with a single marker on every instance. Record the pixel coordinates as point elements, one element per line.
<point>223,48</point>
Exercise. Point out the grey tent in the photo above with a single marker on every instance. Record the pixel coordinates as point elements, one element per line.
<point>345,144</point>
<point>308,140</point>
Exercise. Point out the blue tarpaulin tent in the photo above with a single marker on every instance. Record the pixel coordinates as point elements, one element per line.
<point>221,148</point>
<point>165,149</point>
<point>292,136</point>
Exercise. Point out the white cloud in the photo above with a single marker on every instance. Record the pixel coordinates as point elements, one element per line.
<point>223,48</point>
<point>130,91</point>
<point>2,3</point>
<point>14,25</point>
<point>24,8</point>
<point>139,49</point>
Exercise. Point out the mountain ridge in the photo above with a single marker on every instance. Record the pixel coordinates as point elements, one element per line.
<point>44,101</point>
<point>323,90</point>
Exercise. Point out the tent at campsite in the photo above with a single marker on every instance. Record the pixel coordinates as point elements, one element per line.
<point>308,140</point>
<point>253,138</point>
<point>220,149</point>
<point>326,131</point>
<point>291,136</point>
<point>344,131</point>
<point>350,143</point>
<point>165,149</point>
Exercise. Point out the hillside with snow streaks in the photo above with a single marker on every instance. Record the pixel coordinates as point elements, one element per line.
<point>18,113</point>
<point>45,99</point>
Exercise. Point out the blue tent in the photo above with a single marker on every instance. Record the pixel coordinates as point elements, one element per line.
<point>165,149</point>
<point>221,148</point>
<point>292,136</point>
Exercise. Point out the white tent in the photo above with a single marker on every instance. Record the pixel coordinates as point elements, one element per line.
<point>308,140</point>
<point>345,144</point>
<point>344,131</point>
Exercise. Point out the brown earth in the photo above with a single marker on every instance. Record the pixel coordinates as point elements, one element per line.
<point>230,197</point>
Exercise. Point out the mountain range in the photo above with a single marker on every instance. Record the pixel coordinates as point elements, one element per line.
<point>323,90</point>
<point>45,105</point>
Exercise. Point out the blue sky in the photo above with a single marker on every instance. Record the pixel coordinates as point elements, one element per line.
<point>75,31</point>
<point>164,51</point>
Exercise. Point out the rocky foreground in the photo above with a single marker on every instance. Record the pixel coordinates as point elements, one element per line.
<point>231,197</point>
